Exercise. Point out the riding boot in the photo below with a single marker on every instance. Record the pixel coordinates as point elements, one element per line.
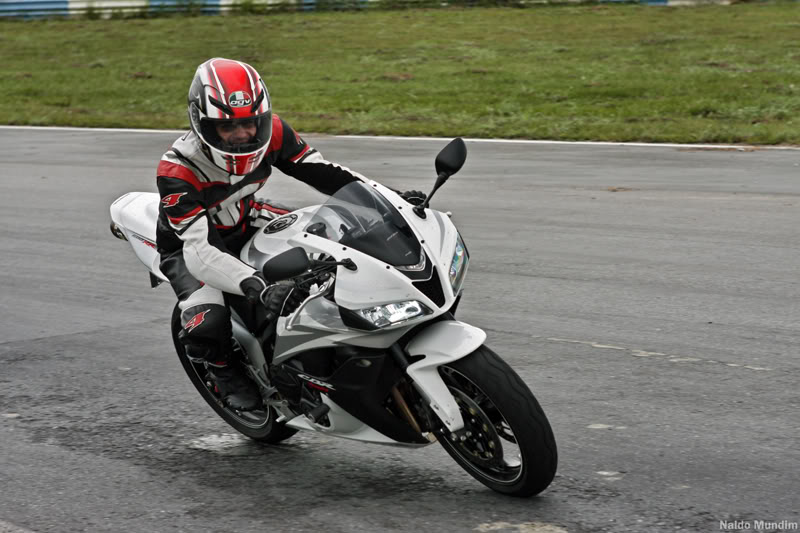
<point>235,388</point>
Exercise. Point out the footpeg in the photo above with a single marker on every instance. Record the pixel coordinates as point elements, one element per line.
<point>318,412</point>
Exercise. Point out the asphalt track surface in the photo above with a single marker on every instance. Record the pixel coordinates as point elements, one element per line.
<point>648,296</point>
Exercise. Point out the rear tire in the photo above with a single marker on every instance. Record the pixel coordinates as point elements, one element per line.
<point>258,425</point>
<point>511,448</point>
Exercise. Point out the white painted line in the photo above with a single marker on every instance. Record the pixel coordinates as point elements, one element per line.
<point>525,527</point>
<point>608,346</point>
<point>733,147</point>
<point>642,353</point>
<point>711,147</point>
<point>88,130</point>
<point>605,426</point>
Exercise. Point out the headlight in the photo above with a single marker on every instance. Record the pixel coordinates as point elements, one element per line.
<point>390,314</point>
<point>458,267</point>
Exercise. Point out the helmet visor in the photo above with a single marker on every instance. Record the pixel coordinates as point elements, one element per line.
<point>238,135</point>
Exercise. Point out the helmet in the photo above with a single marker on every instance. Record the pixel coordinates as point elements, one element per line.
<point>224,94</point>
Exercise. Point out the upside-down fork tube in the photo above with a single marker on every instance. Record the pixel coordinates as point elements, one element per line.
<point>403,406</point>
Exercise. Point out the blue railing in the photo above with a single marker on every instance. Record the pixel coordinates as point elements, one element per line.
<point>33,8</point>
<point>107,8</point>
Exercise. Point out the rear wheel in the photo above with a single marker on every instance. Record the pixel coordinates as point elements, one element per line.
<point>259,425</point>
<point>507,443</point>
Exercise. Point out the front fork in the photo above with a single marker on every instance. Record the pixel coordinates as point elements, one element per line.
<point>435,393</point>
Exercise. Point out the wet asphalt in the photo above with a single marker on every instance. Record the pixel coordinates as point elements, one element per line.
<point>648,296</point>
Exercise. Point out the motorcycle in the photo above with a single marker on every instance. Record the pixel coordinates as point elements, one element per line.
<point>375,352</point>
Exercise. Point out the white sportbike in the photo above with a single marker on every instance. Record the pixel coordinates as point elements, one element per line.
<point>374,353</point>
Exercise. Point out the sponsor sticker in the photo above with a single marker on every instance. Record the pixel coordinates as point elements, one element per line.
<point>280,223</point>
<point>171,200</point>
<point>315,381</point>
<point>144,240</point>
<point>239,99</point>
<point>196,320</point>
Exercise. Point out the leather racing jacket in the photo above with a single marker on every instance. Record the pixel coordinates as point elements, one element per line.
<point>204,207</point>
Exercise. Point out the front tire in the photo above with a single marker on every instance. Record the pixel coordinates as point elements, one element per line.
<point>258,425</point>
<point>507,443</point>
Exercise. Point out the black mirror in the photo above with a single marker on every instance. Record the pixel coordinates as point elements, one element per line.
<point>286,265</point>
<point>448,162</point>
<point>451,158</point>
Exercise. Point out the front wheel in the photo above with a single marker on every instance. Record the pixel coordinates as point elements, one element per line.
<point>259,425</point>
<point>507,443</point>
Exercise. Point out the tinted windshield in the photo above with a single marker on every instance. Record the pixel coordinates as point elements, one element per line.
<point>359,217</point>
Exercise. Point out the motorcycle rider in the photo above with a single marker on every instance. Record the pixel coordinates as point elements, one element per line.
<point>207,181</point>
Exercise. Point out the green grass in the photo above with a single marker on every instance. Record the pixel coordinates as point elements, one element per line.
<point>595,72</point>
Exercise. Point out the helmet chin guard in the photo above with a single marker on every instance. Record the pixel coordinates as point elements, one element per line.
<point>227,96</point>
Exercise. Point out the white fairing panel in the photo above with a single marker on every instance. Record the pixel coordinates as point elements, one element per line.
<point>442,343</point>
<point>375,282</point>
<point>319,324</point>
<point>448,339</point>
<point>136,215</point>
<point>436,231</point>
<point>437,235</point>
<point>343,424</point>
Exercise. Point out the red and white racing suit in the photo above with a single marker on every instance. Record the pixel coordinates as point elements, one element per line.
<point>206,216</point>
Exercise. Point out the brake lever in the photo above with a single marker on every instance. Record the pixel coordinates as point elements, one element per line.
<point>321,292</point>
<point>346,262</point>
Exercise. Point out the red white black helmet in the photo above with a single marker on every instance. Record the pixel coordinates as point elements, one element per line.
<point>227,93</point>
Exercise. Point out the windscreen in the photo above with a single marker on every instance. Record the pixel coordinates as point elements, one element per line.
<point>357,216</point>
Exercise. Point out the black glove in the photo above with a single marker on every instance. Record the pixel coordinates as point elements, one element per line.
<point>414,197</point>
<point>283,299</point>
<point>280,299</point>
<point>254,287</point>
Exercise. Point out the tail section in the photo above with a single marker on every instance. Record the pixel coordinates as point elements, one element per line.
<point>133,219</point>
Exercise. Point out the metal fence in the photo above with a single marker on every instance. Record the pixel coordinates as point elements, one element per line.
<point>110,8</point>
<point>132,8</point>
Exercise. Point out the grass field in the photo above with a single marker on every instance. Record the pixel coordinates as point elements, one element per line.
<point>595,72</point>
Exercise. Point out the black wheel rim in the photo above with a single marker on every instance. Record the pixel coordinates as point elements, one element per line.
<point>252,419</point>
<point>487,442</point>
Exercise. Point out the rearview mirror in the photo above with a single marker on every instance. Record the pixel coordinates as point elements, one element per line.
<point>451,158</point>
<point>286,265</point>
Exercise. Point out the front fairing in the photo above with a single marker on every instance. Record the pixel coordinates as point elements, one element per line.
<point>371,225</point>
<point>359,217</point>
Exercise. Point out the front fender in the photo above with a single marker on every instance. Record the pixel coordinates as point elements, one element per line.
<point>441,343</point>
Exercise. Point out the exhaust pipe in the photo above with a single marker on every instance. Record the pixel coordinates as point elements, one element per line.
<point>116,232</point>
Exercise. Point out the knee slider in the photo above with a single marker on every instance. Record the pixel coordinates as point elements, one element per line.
<point>206,332</point>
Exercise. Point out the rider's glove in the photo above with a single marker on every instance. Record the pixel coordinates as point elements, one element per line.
<point>280,299</point>
<point>254,287</point>
<point>283,299</point>
<point>414,197</point>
